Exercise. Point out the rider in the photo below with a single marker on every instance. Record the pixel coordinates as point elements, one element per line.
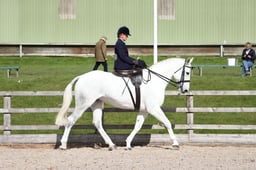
<point>126,65</point>
<point>122,59</point>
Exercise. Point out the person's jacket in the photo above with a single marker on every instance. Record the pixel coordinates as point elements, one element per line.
<point>101,51</point>
<point>122,59</point>
<point>251,53</point>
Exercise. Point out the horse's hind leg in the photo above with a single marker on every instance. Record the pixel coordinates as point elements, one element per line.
<point>97,121</point>
<point>139,122</point>
<point>78,112</point>
<point>159,114</point>
<point>64,138</point>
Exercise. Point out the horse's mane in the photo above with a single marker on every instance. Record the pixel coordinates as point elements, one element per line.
<point>165,62</point>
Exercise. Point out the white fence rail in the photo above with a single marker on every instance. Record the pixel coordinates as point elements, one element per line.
<point>8,137</point>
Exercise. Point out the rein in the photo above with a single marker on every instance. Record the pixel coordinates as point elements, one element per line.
<point>168,80</point>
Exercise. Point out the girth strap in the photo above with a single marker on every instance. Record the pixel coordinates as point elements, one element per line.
<point>137,104</point>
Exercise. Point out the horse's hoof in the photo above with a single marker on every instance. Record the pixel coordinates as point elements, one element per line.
<point>63,148</point>
<point>111,148</point>
<point>128,148</point>
<point>175,147</point>
<point>97,146</point>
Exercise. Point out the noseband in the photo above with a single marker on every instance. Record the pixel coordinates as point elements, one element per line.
<point>177,84</point>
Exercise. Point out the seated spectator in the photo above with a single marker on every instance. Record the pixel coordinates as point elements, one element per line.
<point>248,57</point>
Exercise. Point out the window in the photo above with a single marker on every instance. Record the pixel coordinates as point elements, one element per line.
<point>67,9</point>
<point>166,9</point>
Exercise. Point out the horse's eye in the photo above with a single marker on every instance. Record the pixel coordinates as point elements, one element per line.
<point>187,73</point>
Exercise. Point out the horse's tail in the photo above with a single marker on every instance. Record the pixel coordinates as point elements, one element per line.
<point>62,119</point>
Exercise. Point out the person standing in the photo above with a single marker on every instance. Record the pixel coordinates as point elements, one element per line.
<point>101,54</point>
<point>122,59</point>
<point>248,57</point>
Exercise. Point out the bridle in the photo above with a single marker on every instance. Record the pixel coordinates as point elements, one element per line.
<point>177,84</point>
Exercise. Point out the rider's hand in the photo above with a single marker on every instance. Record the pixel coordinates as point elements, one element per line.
<point>142,64</point>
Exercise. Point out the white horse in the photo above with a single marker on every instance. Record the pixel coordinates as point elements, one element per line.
<point>95,88</point>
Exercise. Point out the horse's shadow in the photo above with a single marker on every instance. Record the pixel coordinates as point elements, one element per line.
<point>96,141</point>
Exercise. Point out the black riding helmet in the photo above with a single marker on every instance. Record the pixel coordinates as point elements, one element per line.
<point>123,30</point>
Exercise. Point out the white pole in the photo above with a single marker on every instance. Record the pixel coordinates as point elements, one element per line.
<point>155,31</point>
<point>20,50</point>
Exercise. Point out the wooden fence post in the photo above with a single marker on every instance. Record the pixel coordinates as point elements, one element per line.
<point>190,115</point>
<point>7,115</point>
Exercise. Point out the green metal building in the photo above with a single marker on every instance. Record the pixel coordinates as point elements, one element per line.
<point>180,22</point>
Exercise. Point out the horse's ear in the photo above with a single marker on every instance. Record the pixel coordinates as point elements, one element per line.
<point>189,61</point>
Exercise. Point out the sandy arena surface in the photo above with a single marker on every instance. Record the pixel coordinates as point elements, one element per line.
<point>140,158</point>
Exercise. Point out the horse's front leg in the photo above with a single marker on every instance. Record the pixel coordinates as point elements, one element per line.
<point>97,121</point>
<point>139,122</point>
<point>159,114</point>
